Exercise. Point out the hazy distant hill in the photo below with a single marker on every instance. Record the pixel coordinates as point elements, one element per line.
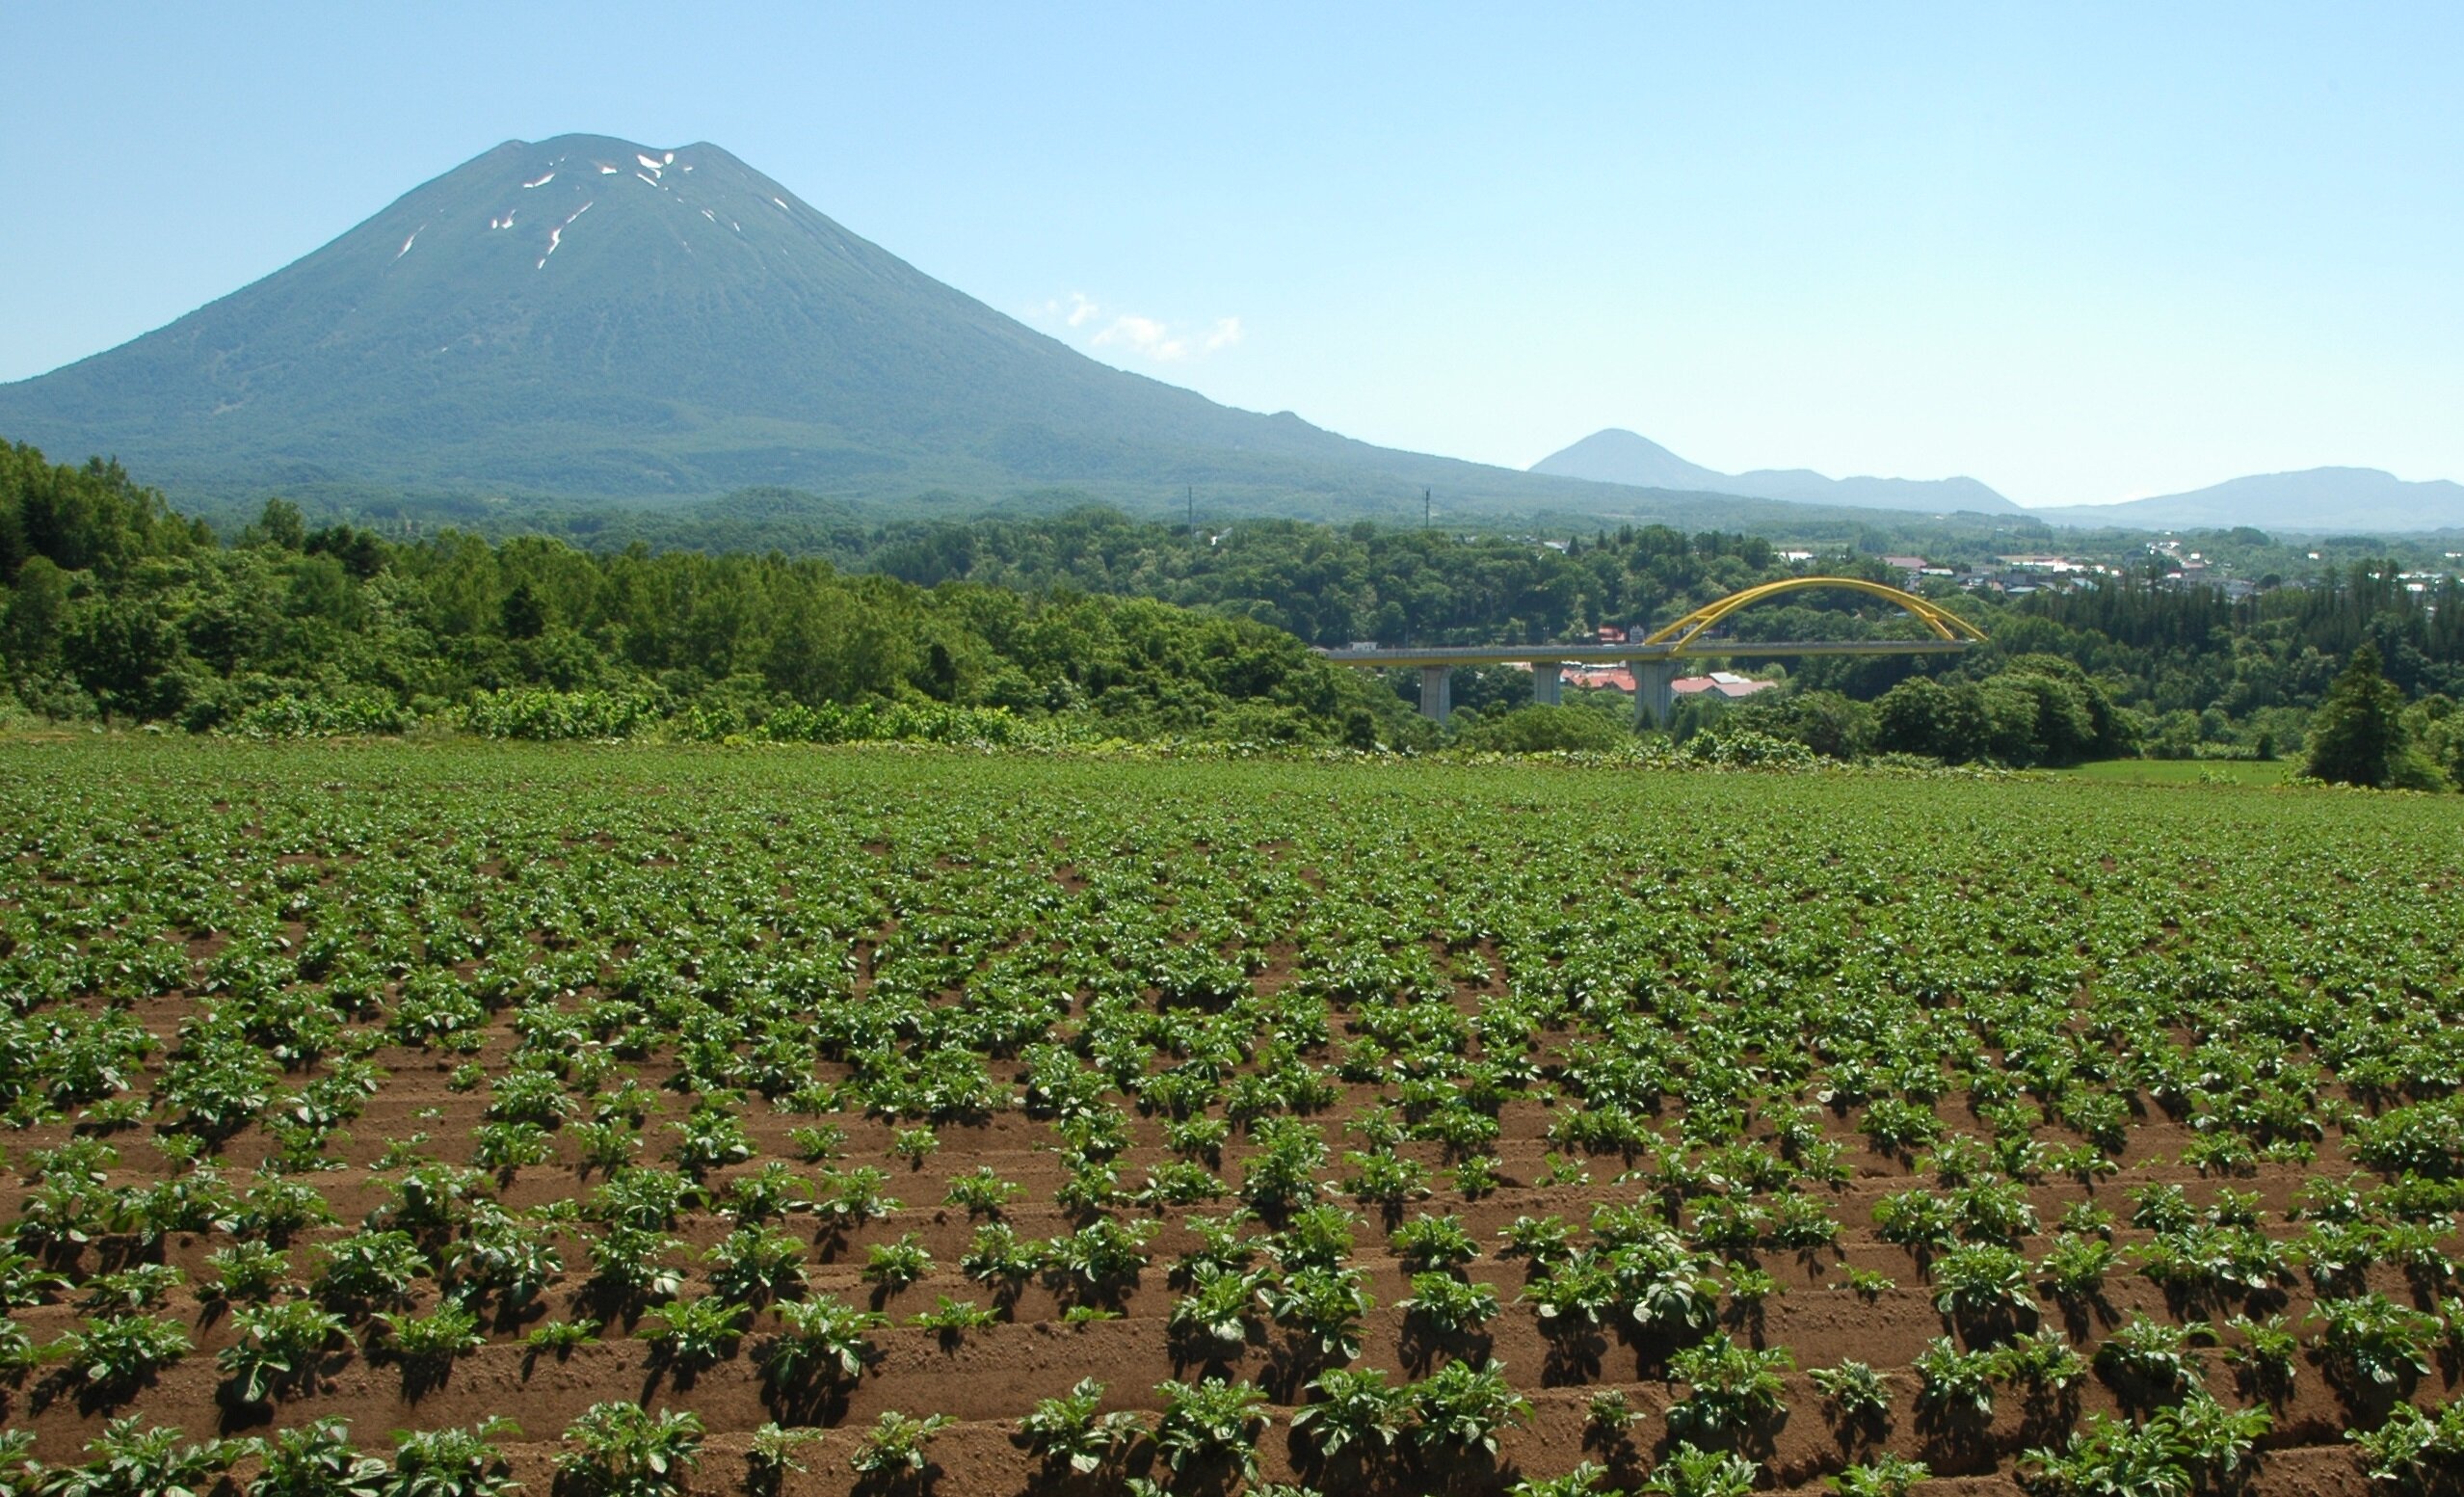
<point>587,318</point>
<point>2321,500</point>
<point>1623,457</point>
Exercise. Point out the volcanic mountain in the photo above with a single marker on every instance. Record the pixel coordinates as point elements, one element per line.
<point>589,318</point>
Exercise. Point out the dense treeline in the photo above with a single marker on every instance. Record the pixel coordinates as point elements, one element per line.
<point>115,608</point>
<point>1332,585</point>
<point>2197,673</point>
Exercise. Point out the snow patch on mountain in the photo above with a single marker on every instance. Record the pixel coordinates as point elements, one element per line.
<point>556,236</point>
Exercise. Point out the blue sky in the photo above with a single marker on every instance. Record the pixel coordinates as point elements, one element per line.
<point>2083,253</point>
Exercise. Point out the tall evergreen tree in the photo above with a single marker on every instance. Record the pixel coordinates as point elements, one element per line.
<point>2358,736</point>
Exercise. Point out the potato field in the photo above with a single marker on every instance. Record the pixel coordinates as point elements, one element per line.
<point>414,1121</point>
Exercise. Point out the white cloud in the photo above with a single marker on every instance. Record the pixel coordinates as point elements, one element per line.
<point>1142,335</point>
<point>1146,337</point>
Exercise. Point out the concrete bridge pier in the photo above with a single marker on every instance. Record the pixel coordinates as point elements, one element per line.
<point>1436,692</point>
<point>1653,699</point>
<point>1548,682</point>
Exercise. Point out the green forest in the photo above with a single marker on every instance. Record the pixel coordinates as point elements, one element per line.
<point>116,607</point>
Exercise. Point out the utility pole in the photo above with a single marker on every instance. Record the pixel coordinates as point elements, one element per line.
<point>1193,509</point>
<point>1425,509</point>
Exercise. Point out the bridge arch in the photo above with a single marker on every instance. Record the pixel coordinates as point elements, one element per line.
<point>1676,637</point>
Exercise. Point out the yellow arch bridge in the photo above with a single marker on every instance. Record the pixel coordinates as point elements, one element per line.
<point>1654,659</point>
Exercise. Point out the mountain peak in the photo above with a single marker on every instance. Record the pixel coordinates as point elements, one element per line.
<point>592,317</point>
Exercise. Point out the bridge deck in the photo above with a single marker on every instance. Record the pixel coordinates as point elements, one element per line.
<point>1618,654</point>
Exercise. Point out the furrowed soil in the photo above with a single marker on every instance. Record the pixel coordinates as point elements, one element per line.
<point>2189,1022</point>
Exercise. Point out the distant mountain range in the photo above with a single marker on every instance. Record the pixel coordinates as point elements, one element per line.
<point>1623,457</point>
<point>2317,500</point>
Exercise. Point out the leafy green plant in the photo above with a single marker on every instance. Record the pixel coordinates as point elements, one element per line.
<point>246,1271</point>
<point>1449,1305</point>
<point>2269,1353</point>
<point>612,1144</point>
<point>2074,1268</point>
<point>2411,1452</point>
<point>1353,1407</point>
<point>915,1145</point>
<point>1583,1480</point>
<point>622,1450</point>
<point>1607,1415</point>
<point>154,1461</point>
<point>1952,1381</point>
<point>2376,1339</point>
<point>897,1445</point>
<point>1476,1176</point>
<point>772,1453</point>
<point>763,1195</point>
<point>632,1264</point>
<point>277,1347</point>
<point>561,1339</point>
<point>1728,1386</point>
<point>1325,1306</point>
<point>141,1286</point>
<point>1855,1389</point>
<point>1665,1286</point>
<point>2043,1359</point>
<point>119,1352</point>
<point>752,1264</point>
<point>506,1258</point>
<point>1689,1471</point>
<point>506,1147</point>
<point>952,1319</point>
<point>2160,1208</point>
<point>893,1265</point>
<point>690,1334</point>
<point>1578,1292</point>
<point>2156,1355</point>
<point>1427,1242</point>
<point>2165,1455</point>
<point>317,1460</point>
<point>1866,1284</point>
<point>1544,1242</point>
<point>24,1281</point>
<point>1915,1219</point>
<point>1217,1308</point>
<point>710,1138</point>
<point>1100,1256</point>
<point>822,1339</point>
<point>1461,1407</point>
<point>371,1269</point>
<point>1069,1432</point>
<point>446,1332</point>
<point>1979,1280</point>
<point>983,1193</point>
<point>814,1142</point>
<point>1886,1475</point>
<point>1210,1423</point>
